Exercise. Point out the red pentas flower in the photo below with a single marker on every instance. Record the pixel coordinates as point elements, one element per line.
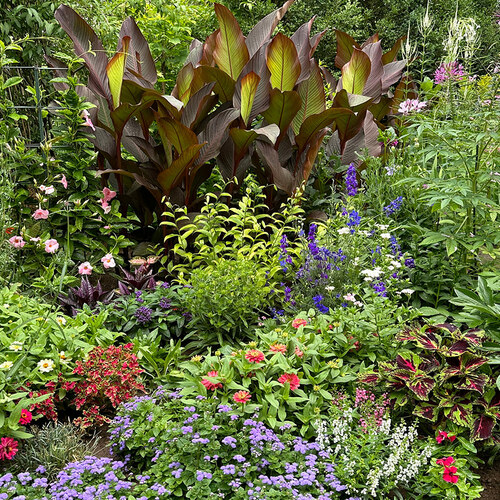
<point>8,448</point>
<point>242,397</point>
<point>26,417</point>
<point>254,356</point>
<point>291,378</point>
<point>211,386</point>
<point>298,322</point>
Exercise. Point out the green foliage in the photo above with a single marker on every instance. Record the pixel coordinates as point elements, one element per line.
<point>226,298</point>
<point>53,446</point>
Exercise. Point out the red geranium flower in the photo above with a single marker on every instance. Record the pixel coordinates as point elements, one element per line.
<point>9,230</point>
<point>26,417</point>
<point>242,397</point>
<point>8,448</point>
<point>211,386</point>
<point>298,322</point>
<point>278,348</point>
<point>449,475</point>
<point>291,378</point>
<point>255,356</point>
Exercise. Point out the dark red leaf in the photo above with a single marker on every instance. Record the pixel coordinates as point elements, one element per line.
<point>482,428</point>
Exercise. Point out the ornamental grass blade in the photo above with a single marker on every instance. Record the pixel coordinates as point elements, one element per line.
<point>345,48</point>
<point>231,53</point>
<point>283,63</point>
<point>116,69</point>
<point>312,93</point>
<point>140,60</point>
<point>249,84</point>
<point>356,72</point>
<point>263,30</point>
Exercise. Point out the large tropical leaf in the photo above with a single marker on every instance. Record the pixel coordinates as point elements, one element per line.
<point>231,53</point>
<point>140,60</point>
<point>116,69</point>
<point>312,93</point>
<point>224,84</point>
<point>262,31</point>
<point>180,136</point>
<point>391,55</point>
<point>283,63</point>
<point>283,108</point>
<point>356,72</point>
<point>88,47</point>
<point>199,105</point>
<point>182,88</point>
<point>345,48</point>
<point>249,84</point>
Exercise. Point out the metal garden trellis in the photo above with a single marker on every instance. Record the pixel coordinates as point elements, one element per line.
<point>39,98</point>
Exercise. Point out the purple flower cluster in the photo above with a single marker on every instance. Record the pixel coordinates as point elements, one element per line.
<point>354,220</point>
<point>449,71</point>
<point>285,259</point>
<point>393,206</point>
<point>143,314</point>
<point>351,182</point>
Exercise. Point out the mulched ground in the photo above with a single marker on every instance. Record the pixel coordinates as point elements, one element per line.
<point>490,479</point>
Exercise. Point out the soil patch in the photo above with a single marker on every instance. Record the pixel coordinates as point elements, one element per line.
<point>490,479</point>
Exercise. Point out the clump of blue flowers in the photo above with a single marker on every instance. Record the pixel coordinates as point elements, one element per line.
<point>351,182</point>
<point>393,206</point>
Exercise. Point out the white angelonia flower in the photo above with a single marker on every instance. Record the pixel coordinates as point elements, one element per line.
<point>385,236</point>
<point>344,230</point>
<point>407,291</point>
<point>396,263</point>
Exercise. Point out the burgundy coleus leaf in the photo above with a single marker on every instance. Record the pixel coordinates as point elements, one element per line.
<point>421,386</point>
<point>428,340</point>
<point>447,326</point>
<point>403,375</point>
<point>429,364</point>
<point>482,428</point>
<point>396,385</point>
<point>474,336</point>
<point>407,335</point>
<point>457,348</point>
<point>426,411</point>
<point>460,413</point>
<point>369,378</point>
<point>405,364</point>
<point>474,383</point>
<point>470,362</point>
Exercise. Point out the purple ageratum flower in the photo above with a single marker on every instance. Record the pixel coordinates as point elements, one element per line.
<point>449,71</point>
<point>229,441</point>
<point>228,469</point>
<point>143,314</point>
<point>351,182</point>
<point>393,206</point>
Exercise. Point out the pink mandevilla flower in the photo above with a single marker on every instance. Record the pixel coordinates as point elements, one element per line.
<point>88,121</point>
<point>108,261</point>
<point>64,182</point>
<point>47,189</point>
<point>51,246</point>
<point>108,194</point>
<point>85,268</point>
<point>40,214</point>
<point>17,241</point>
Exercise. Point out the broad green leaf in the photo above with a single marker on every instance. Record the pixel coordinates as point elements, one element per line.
<point>356,72</point>
<point>231,53</point>
<point>224,84</point>
<point>10,82</point>
<point>115,70</point>
<point>170,177</point>
<point>180,136</point>
<point>243,138</point>
<point>312,93</point>
<point>283,63</point>
<point>345,48</point>
<point>183,85</point>
<point>283,107</point>
<point>249,84</point>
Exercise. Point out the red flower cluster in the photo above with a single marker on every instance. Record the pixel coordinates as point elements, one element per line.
<point>444,435</point>
<point>254,356</point>
<point>278,348</point>
<point>292,379</point>
<point>211,386</point>
<point>449,473</point>
<point>8,448</point>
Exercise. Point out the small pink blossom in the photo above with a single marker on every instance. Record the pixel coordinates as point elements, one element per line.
<point>40,214</point>
<point>17,241</point>
<point>51,246</point>
<point>85,268</point>
<point>64,182</point>
<point>411,105</point>
<point>35,240</point>
<point>108,261</point>
<point>88,121</point>
<point>108,194</point>
<point>47,189</point>
<point>449,71</point>
<point>105,206</point>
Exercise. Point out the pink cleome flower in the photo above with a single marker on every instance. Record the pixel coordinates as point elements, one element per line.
<point>254,356</point>
<point>242,397</point>
<point>40,214</point>
<point>85,268</point>
<point>51,246</point>
<point>449,71</point>
<point>292,379</point>
<point>211,386</point>
<point>411,105</point>
<point>17,241</point>
<point>8,448</point>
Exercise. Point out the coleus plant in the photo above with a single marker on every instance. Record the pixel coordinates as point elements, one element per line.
<point>442,377</point>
